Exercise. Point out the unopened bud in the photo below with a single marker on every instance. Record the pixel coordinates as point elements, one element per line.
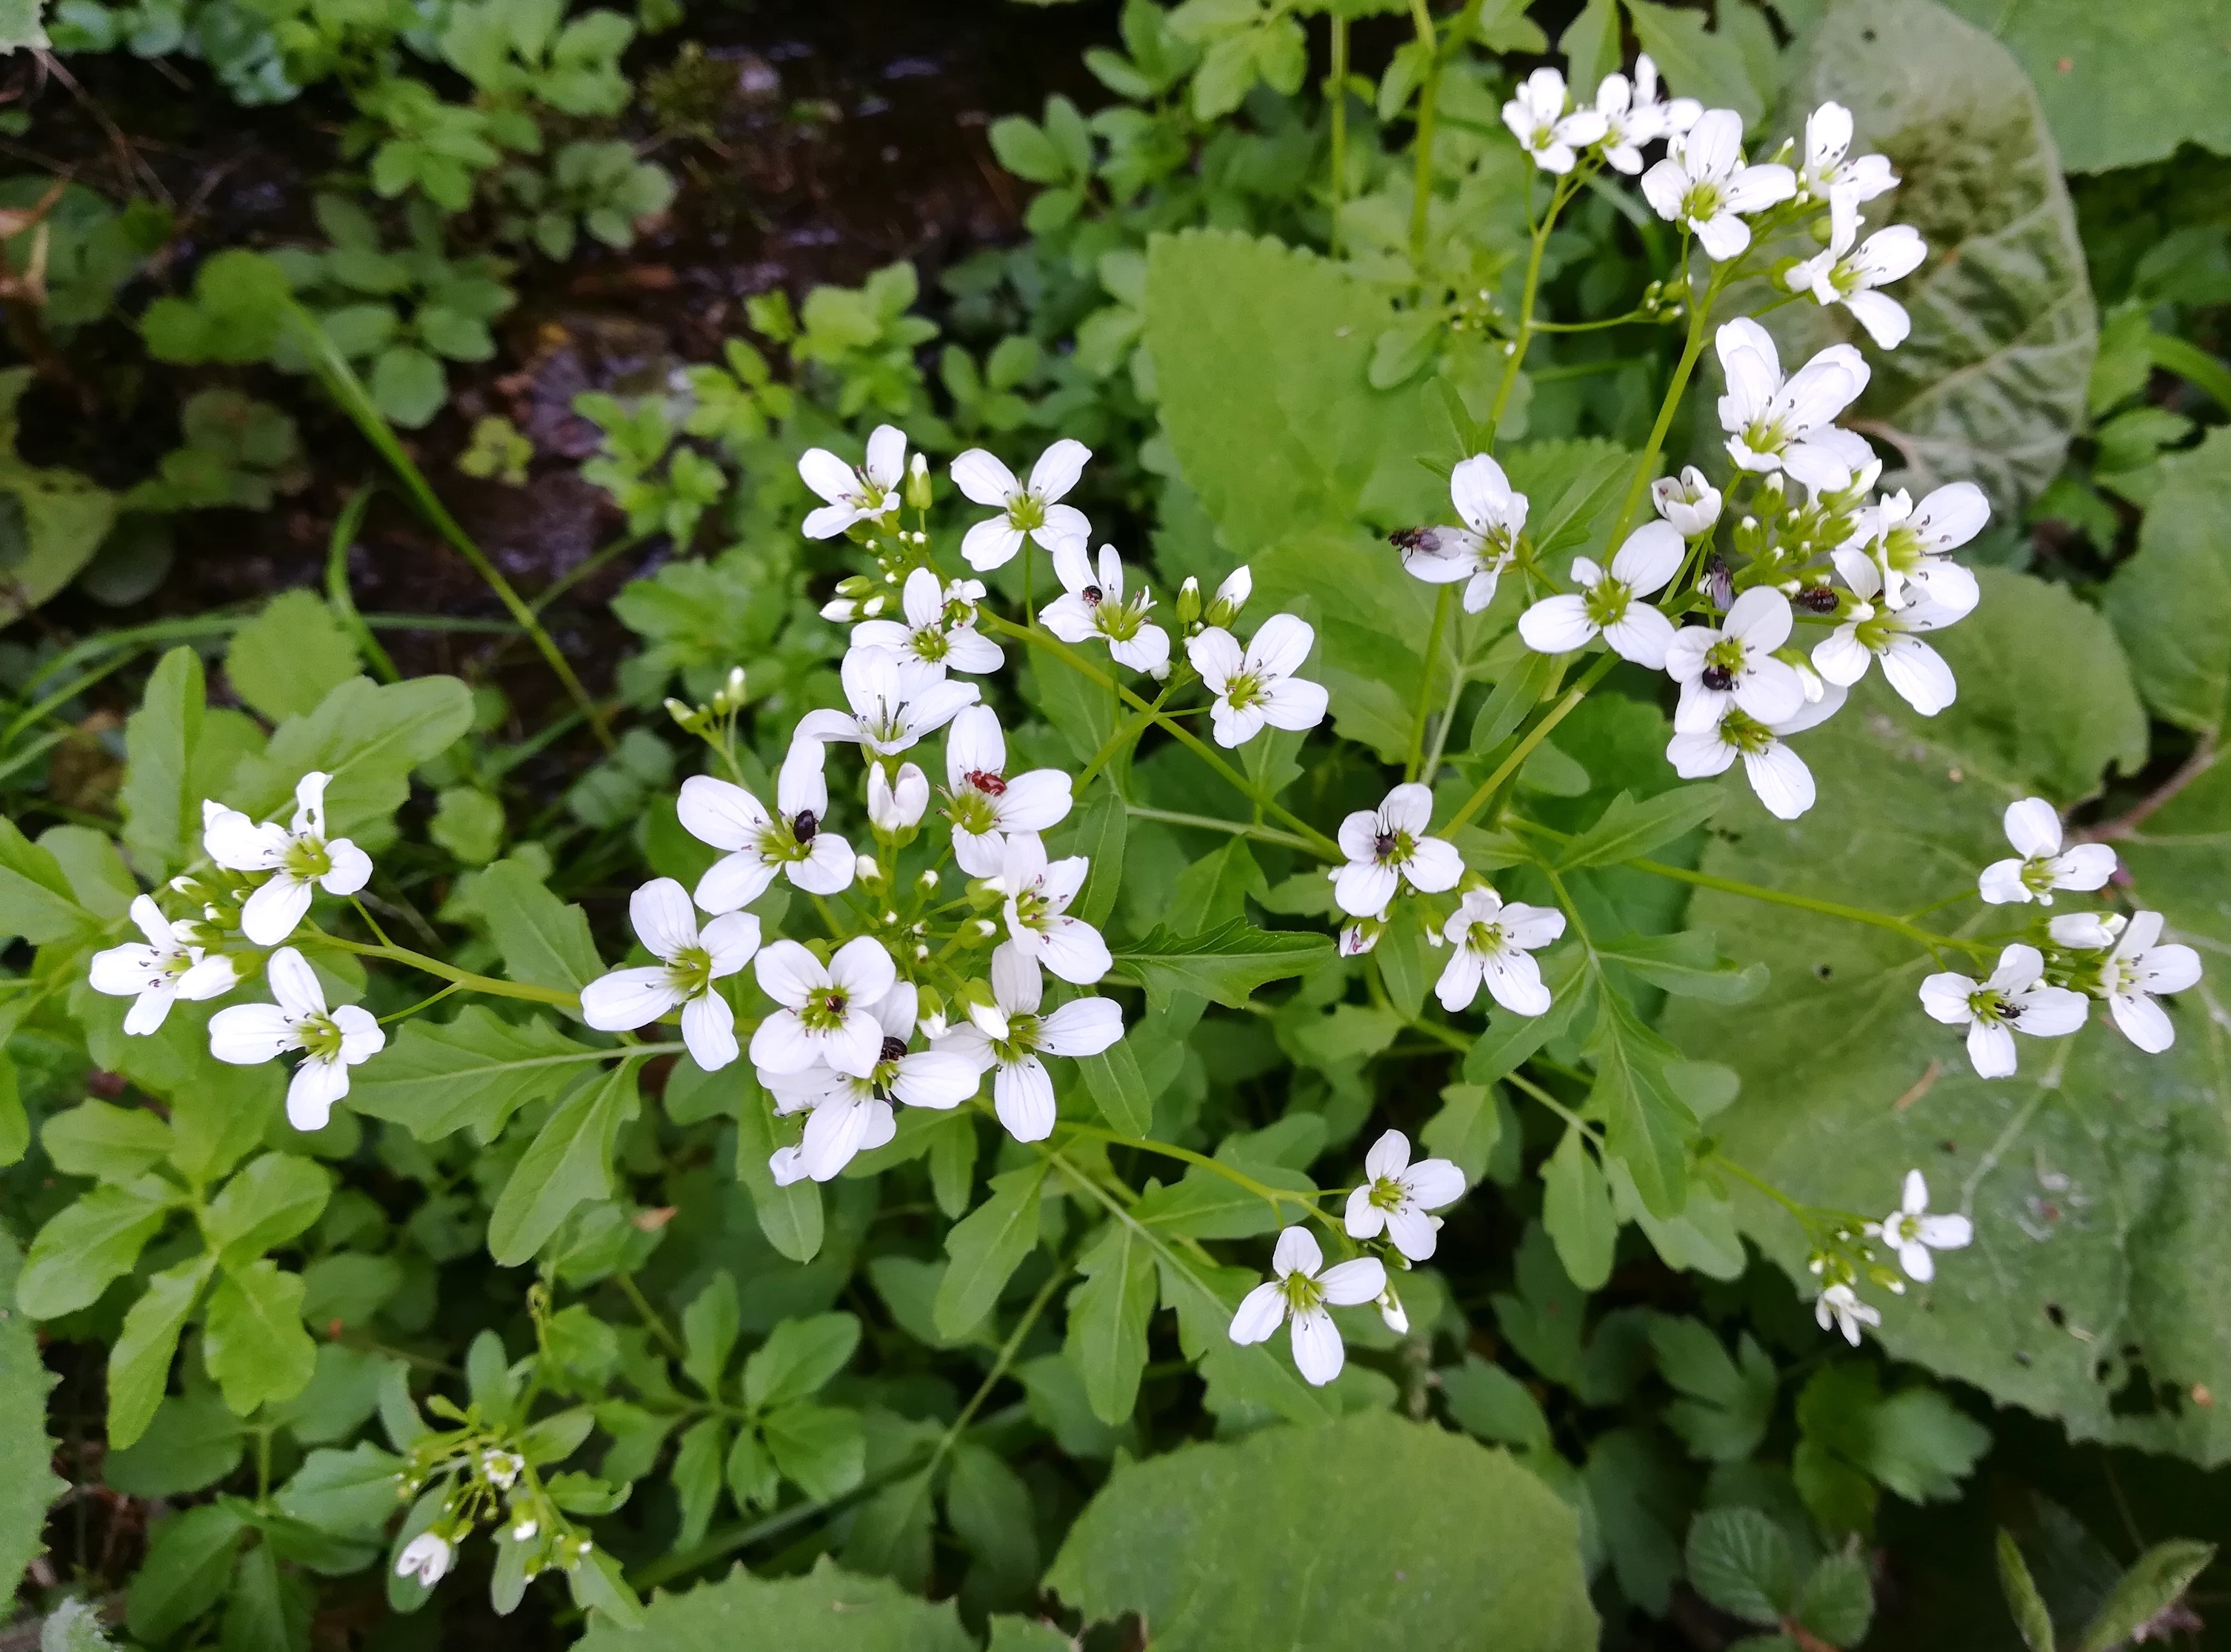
<point>985,928</point>
<point>897,807</point>
<point>684,715</point>
<point>929,879</point>
<point>1189,601</point>
<point>840,611</point>
<point>917,482</point>
<point>868,870</point>
<point>1231,596</point>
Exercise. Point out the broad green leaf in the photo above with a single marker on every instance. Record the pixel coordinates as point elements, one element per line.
<point>2122,84</point>
<point>827,1611</point>
<point>569,1160</point>
<point>27,1484</point>
<point>819,1448</point>
<point>1696,62</point>
<point>1118,1089</point>
<point>1990,384</point>
<point>1440,1543</point>
<point>1202,1204</point>
<point>35,901</point>
<point>194,1443</point>
<point>1628,829</point>
<point>1576,1209</point>
<point>1647,1124</point>
<point>792,1216</point>
<point>1510,1040</point>
<point>545,942</point>
<point>139,1362</point>
<point>265,1607</point>
<point>1108,1318</point>
<point>1488,1401</point>
<point>709,1326</point>
<point>272,1199</point>
<point>2171,602</point>
<point>1103,825</point>
<point>89,1243</point>
<point>695,1473</point>
<point>368,738</point>
<point>991,1511</point>
<point>2089,1176</point>
<point>162,810</point>
<point>287,658</point>
<point>798,1357</point>
<point>189,1560</point>
<point>986,1247</point>
<point>2180,856</point>
<point>1837,1602</point>
<point>1688,965</point>
<point>1724,1406</point>
<point>2026,1605</point>
<point>343,1491</point>
<point>1223,965</point>
<point>253,1343</point>
<point>472,1073</point>
<point>1740,1561</point>
<point>113,1144</point>
<point>57,521</point>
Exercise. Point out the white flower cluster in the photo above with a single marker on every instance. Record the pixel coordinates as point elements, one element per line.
<point>1910,1232</point>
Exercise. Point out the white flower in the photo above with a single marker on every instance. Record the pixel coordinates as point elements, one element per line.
<point>984,804</point>
<point>1008,1038</point>
<point>892,809</point>
<point>1030,510</point>
<point>502,1468</point>
<point>1778,774</point>
<point>2084,931</point>
<point>859,494</point>
<point>331,1041</point>
<point>1387,847</point>
<point>1674,115</point>
<point>297,856</point>
<point>850,1114</point>
<point>1537,118</point>
<point>1478,552</point>
<point>938,634</point>
<point>1913,1233</point>
<point>1038,924</point>
<point>1392,1313</point>
<point>1092,604</point>
<point>1688,501</point>
<point>827,1013</point>
<point>884,716</point>
<point>1231,597</point>
<point>1908,543</point>
<point>1733,663</point>
<point>1628,124</point>
<point>166,966</point>
<point>2039,866</point>
<point>1839,1306</point>
<point>1892,635</point>
<point>1609,602</point>
<point>426,1558</point>
<point>2140,967</point>
<point>689,962</point>
<point>1492,941</point>
<point>1826,174</point>
<point>2015,1000</point>
<point>1840,273</point>
<point>1396,1196</point>
<point>760,844</point>
<point>1302,1288</point>
<point>1259,686</point>
<point>1774,426</point>
<point>1703,184</point>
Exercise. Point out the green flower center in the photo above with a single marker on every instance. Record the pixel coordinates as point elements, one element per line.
<point>1902,548</point>
<point>972,812</point>
<point>1393,848</point>
<point>1745,733</point>
<point>1725,655</point>
<point>1485,939</point>
<point>1025,512</point>
<point>1243,690</point>
<point>2037,875</point>
<point>1991,1006</point>
<point>1303,1293</point>
<point>1605,601</point>
<point>306,860</point>
<point>1387,1194</point>
<point>824,1011</point>
<point>1703,201</point>
<point>320,1035</point>
<point>929,644</point>
<point>1022,1040</point>
<point>691,971</point>
<point>1765,436</point>
<point>1118,621</point>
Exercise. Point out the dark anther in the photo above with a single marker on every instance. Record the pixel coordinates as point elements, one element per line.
<point>1718,678</point>
<point>1817,599</point>
<point>985,781</point>
<point>803,826</point>
<point>893,1048</point>
<point>833,1002</point>
<point>1383,845</point>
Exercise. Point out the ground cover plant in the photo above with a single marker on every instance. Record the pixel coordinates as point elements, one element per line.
<point>1429,853</point>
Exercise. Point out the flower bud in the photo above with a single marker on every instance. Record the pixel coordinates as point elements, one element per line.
<point>897,808</point>
<point>1189,601</point>
<point>1361,936</point>
<point>1688,501</point>
<point>917,482</point>
<point>929,879</point>
<point>868,871</point>
<point>1231,597</point>
<point>684,715</point>
<point>1391,1311</point>
<point>974,1001</point>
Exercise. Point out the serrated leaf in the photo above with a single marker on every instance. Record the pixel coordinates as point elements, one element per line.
<point>1739,1560</point>
<point>139,1360</point>
<point>253,1343</point>
<point>1627,829</point>
<point>287,659</point>
<point>1223,965</point>
<point>569,1160</point>
<point>27,1484</point>
<point>986,1247</point>
<point>829,1609</point>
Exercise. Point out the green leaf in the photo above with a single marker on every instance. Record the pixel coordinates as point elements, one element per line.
<point>188,1562</point>
<point>1688,965</point>
<point>799,1358</point>
<point>274,1198</point>
<point>96,1138</point>
<point>1724,1406</point>
<point>140,1362</point>
<point>472,1073</point>
<point>27,1484</point>
<point>1223,965</point>
<point>569,1160</point>
<point>1647,1124</point>
<point>2171,602</point>
<point>265,1609</point>
<point>1226,1545</point>
<point>1695,62</point>
<point>2023,1602</point>
<point>545,942</point>
<point>58,519</point>
<point>2156,1580</point>
<point>408,384</point>
<point>986,1247</point>
<point>162,804</point>
<point>1915,1442</point>
<point>345,1492</point>
<point>368,738</point>
<point>253,1343</point>
<point>1739,1560</point>
<point>89,1243</point>
<point>2122,85</point>
<point>35,902</point>
<point>697,1476</point>
<point>709,1325</point>
<point>1119,1089</point>
<point>991,1511</point>
<point>1837,1600</point>
<point>1990,384</point>
<point>1102,827</point>
<point>827,1611</point>
<point>1591,43</point>
<point>1628,829</point>
<point>819,1448</point>
<point>792,1216</point>
<point>1488,1401</point>
<point>195,1441</point>
<point>1108,1319</point>
<point>287,659</point>
<point>236,314</point>
<point>1576,1209</point>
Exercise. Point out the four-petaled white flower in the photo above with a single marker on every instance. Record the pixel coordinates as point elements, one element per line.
<point>689,962</point>
<point>1259,685</point>
<point>984,804</point>
<point>854,494</point>
<point>852,1115</point>
<point>331,1041</point>
<point>759,845</point>
<point>2015,1000</point>
<point>1031,509</point>
<point>1908,544</point>
<point>1840,273</point>
<point>426,1558</point>
<point>1039,927</point>
<point>2038,866</point>
<point>1913,1233</point>
<point>827,1011</point>
<point>1387,846</point>
<point>1703,185</point>
<point>1776,773</point>
<point>2140,965</point>
<point>168,965</point>
<point>1688,501</point>
<point>1092,604</point>
<point>1007,1038</point>
<point>298,856</point>
<point>1302,1288</point>
<point>1493,941</point>
<point>1894,636</point>
<point>1478,552</point>
<point>1673,115</point>
<point>884,716</point>
<point>1732,664</point>
<point>1628,124</point>
<point>1538,117</point>
<point>1839,1307</point>
<point>1773,425</point>
<point>1609,603</point>
<point>893,808</point>
<point>1829,174</point>
<point>1396,1196</point>
<point>937,635</point>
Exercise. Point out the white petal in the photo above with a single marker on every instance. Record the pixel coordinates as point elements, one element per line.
<point>1022,1096</point>
<point>730,941</point>
<point>151,1008</point>
<point>2002,884</point>
<point>2087,865</point>
<point>1925,683</point>
<point>1945,997</point>
<point>829,866</point>
<point>1991,1051</point>
<point>1082,1027</point>
<point>1412,1232</point>
<point>1362,888</point>
<point>1480,492</point>
<point>712,811</point>
<point>1358,1280</point>
<point>886,455</point>
<point>1883,316</point>
<point>312,1092</point>
<point>1214,652</point>
<point>1514,980</point>
<point>125,971</point>
<point>1261,1311</point>
<point>662,917</point>
<point>2033,827</point>
<point>275,910</point>
<point>1281,647</point>
<point>938,1078</point>
<point>1317,1352</point>
<point>983,479</point>
<point>1434,866</point>
<point>708,1028</point>
<point>233,840</point>
<point>1074,950</point>
<point>1295,703</point>
<point>295,984</point>
<point>247,1034</point>
<point>627,999</point>
<point>734,880</point>
<point>1058,468</point>
<point>1557,625</point>
<point>1642,636</point>
<point>1297,1252</point>
<point>991,544</point>
<point>1652,555</point>
<point>1780,777</point>
<point>782,1044</point>
<point>2144,1022</point>
<point>1389,1157</point>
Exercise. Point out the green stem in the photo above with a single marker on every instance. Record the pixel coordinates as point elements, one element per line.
<point>1425,683</point>
<point>1336,92</point>
<point>652,1319</point>
<point>1210,823</point>
<point>1700,314</point>
<point>1535,736</point>
<point>1527,295</point>
<point>1130,730</point>
<point>337,595</point>
<point>465,978</point>
<point>1807,903</point>
<point>1263,1190</point>
<point>1429,98</point>
<point>1521,1082</point>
